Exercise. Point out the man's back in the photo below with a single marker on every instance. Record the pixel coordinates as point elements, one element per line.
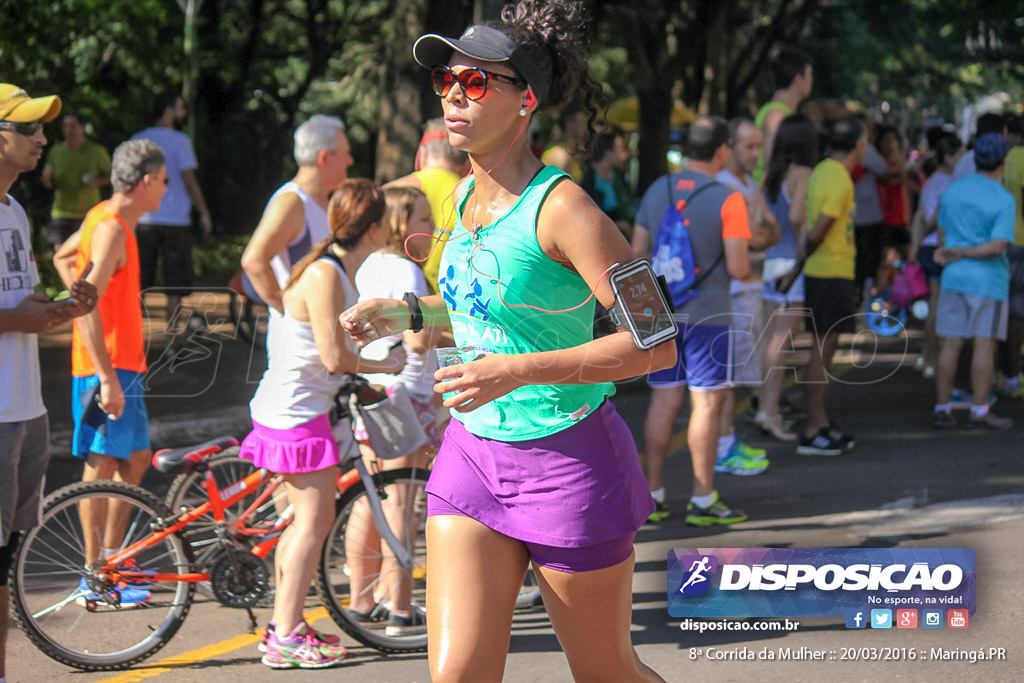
<point>974,210</point>
<point>716,214</point>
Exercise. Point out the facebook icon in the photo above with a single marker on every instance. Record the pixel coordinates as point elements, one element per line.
<point>856,618</point>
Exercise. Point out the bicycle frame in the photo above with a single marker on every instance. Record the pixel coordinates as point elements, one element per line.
<point>219,500</point>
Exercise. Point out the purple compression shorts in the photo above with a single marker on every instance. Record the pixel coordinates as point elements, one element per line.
<point>570,560</point>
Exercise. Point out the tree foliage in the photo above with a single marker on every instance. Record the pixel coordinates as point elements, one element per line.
<point>262,66</point>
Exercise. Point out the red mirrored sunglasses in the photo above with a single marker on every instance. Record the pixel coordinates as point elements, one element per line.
<point>472,81</point>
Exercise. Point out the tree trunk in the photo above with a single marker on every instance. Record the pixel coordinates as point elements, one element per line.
<point>400,122</point>
<point>655,107</point>
<point>407,100</point>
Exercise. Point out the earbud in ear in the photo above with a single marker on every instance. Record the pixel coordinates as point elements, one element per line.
<point>531,99</point>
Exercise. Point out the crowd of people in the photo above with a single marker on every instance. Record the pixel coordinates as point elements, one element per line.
<point>761,235</point>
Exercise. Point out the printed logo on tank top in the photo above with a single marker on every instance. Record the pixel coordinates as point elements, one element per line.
<point>472,303</point>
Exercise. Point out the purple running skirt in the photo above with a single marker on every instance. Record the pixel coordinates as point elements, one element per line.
<point>576,488</point>
<point>310,447</point>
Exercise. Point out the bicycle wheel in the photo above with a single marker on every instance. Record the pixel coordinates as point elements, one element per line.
<point>228,469</point>
<point>62,616</point>
<point>355,559</point>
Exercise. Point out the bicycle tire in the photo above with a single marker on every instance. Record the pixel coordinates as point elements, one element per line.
<point>333,584</point>
<point>228,468</point>
<point>51,561</point>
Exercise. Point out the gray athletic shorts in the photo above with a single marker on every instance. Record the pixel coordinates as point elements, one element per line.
<point>747,326</point>
<point>970,316</point>
<point>24,455</point>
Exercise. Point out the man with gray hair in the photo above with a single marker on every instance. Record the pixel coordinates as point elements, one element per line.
<point>108,353</point>
<point>296,216</point>
<point>439,166</point>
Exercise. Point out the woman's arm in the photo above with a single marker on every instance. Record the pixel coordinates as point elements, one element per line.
<point>372,319</point>
<point>572,230</point>
<point>324,296</point>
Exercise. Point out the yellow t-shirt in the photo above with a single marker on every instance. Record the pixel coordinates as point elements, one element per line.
<point>1013,180</point>
<point>830,192</point>
<point>439,187</point>
<point>575,169</point>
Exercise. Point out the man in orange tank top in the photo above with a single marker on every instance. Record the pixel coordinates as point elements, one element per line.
<point>107,347</point>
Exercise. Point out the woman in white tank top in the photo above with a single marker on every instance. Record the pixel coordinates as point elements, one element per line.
<point>291,431</point>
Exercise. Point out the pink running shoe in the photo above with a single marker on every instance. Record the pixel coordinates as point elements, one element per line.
<point>328,638</point>
<point>302,649</point>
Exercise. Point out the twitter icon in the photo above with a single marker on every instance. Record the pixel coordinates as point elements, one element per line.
<point>881,618</point>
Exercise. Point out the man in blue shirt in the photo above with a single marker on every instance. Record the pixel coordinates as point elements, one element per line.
<point>976,222</point>
<point>166,235</point>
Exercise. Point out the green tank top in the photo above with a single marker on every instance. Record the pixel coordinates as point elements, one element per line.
<point>504,265</point>
<point>762,114</point>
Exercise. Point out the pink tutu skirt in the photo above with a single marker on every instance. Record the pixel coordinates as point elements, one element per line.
<point>307,448</point>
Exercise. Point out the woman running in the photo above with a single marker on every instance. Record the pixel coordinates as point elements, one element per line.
<point>536,465</point>
<point>291,431</point>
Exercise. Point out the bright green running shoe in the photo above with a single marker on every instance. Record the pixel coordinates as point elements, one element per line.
<point>660,514</point>
<point>736,462</point>
<point>749,451</point>
<point>716,513</point>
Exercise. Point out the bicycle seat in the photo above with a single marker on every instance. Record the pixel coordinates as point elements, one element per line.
<point>181,460</point>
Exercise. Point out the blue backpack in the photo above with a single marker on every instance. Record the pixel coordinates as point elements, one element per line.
<point>672,254</point>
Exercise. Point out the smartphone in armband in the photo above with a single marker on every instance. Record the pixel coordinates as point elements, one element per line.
<point>641,305</point>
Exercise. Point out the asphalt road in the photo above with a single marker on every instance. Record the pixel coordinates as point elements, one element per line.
<point>904,485</point>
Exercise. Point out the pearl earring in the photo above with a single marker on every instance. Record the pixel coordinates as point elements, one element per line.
<point>522,112</point>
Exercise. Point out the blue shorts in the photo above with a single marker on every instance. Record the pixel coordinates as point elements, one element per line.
<point>118,438</point>
<point>569,560</point>
<point>703,359</point>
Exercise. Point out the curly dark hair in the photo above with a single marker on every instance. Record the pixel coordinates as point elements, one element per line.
<point>555,31</point>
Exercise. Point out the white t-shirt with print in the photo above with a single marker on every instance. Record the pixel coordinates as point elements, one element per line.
<point>389,276</point>
<point>21,396</point>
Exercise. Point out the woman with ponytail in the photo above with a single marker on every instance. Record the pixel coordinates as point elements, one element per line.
<point>536,465</point>
<point>291,434</point>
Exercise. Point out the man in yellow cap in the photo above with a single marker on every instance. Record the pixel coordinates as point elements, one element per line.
<point>24,428</point>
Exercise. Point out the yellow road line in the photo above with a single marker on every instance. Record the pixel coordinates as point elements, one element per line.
<point>203,653</point>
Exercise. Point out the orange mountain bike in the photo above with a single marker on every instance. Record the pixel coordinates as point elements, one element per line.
<point>74,613</point>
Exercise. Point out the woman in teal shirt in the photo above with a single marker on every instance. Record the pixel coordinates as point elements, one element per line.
<point>536,464</point>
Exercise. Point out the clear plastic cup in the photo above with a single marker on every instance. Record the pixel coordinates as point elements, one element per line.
<point>456,355</point>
